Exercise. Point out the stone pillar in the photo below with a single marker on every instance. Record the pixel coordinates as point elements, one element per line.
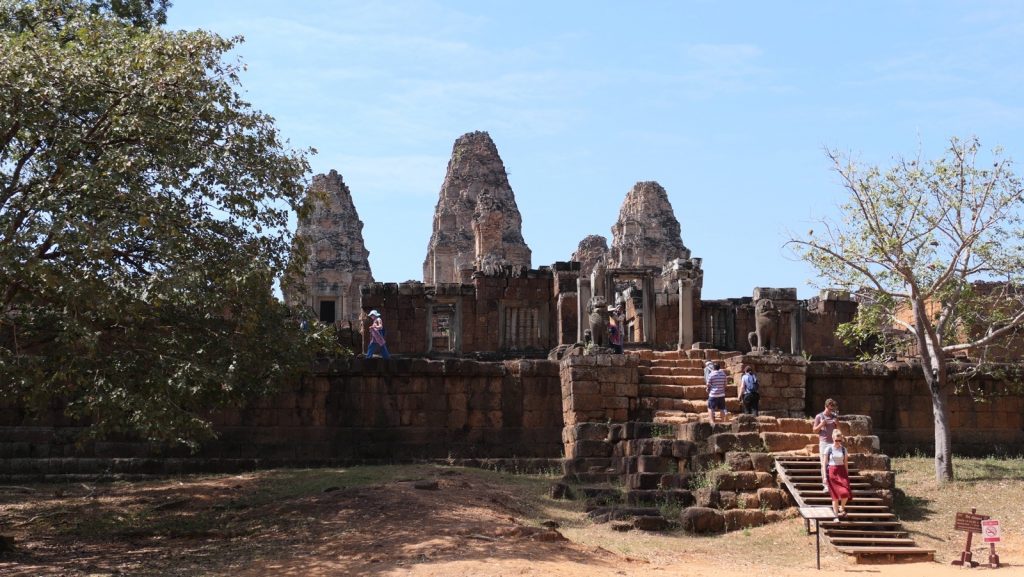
<point>582,298</point>
<point>688,274</point>
<point>650,335</point>
<point>685,314</point>
<point>795,325</point>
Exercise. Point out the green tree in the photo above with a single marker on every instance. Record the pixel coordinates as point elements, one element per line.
<point>143,222</point>
<point>933,248</point>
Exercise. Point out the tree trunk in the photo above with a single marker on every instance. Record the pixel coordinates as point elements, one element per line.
<point>943,445</point>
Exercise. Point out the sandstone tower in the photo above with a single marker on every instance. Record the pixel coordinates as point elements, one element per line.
<point>338,260</point>
<point>477,224</point>
<point>647,232</point>
<point>590,250</point>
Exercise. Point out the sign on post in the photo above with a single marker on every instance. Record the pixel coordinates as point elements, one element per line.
<point>969,522</point>
<point>990,531</point>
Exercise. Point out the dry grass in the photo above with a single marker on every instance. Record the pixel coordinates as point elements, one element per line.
<point>235,520</point>
<point>994,486</point>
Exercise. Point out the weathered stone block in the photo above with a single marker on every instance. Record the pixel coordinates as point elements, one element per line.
<point>742,518</point>
<point>787,425</point>
<point>675,481</point>
<point>787,441</point>
<point>771,498</point>
<point>855,424</point>
<point>590,432</point>
<point>870,462</point>
<point>707,497</point>
<point>643,481</point>
<point>727,500</point>
<point>649,464</point>
<point>586,449</point>
<point>725,442</point>
<point>763,462</point>
<point>702,520</point>
<point>739,461</point>
<point>880,479</point>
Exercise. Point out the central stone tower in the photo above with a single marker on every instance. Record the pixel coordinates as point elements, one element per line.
<point>477,224</point>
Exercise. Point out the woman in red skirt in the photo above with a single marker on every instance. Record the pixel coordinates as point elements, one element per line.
<point>837,477</point>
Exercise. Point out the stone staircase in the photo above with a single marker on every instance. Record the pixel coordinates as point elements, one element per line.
<point>672,388</point>
<point>870,531</point>
<point>713,477</point>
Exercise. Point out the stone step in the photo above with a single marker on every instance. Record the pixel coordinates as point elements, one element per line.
<point>681,363</point>
<point>675,391</point>
<point>692,380</point>
<point>676,371</point>
<point>661,404</point>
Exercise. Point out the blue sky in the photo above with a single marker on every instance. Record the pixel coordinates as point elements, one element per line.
<point>729,105</point>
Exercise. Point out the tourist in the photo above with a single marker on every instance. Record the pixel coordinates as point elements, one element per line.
<point>750,395</point>
<point>615,327</point>
<point>717,382</point>
<point>709,367</point>
<point>377,336</point>
<point>837,475</point>
<point>825,425</point>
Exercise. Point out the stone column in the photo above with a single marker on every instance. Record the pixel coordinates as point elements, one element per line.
<point>650,335</point>
<point>688,274</point>
<point>582,298</point>
<point>685,314</point>
<point>795,325</point>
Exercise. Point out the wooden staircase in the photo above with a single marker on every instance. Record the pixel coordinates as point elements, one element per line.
<point>870,531</point>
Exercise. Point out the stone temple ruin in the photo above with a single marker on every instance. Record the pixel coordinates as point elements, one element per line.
<point>338,262</point>
<point>481,298</point>
<point>489,370</point>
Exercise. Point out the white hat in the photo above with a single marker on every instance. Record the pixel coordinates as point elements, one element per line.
<point>374,313</point>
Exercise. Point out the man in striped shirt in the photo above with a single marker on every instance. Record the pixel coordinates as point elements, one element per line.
<point>716,383</point>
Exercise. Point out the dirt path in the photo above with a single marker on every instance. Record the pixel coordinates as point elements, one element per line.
<point>464,527</point>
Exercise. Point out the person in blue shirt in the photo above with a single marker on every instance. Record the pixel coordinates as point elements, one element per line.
<point>750,393</point>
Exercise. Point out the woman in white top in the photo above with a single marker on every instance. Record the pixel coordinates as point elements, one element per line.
<point>836,474</point>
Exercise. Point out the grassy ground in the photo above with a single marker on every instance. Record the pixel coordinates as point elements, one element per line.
<point>242,519</point>
<point>994,486</point>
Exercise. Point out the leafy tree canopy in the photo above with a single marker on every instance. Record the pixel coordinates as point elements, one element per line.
<point>934,249</point>
<point>143,213</point>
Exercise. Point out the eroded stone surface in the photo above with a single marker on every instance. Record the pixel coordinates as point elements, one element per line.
<point>590,250</point>
<point>477,224</point>
<point>647,232</point>
<point>338,260</point>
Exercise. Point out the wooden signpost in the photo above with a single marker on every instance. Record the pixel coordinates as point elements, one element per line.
<point>973,523</point>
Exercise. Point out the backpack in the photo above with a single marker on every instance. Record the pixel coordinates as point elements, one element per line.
<point>754,387</point>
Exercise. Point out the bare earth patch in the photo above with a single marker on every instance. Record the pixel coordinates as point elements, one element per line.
<point>375,521</point>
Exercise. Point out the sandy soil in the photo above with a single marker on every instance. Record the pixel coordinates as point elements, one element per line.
<point>464,527</point>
